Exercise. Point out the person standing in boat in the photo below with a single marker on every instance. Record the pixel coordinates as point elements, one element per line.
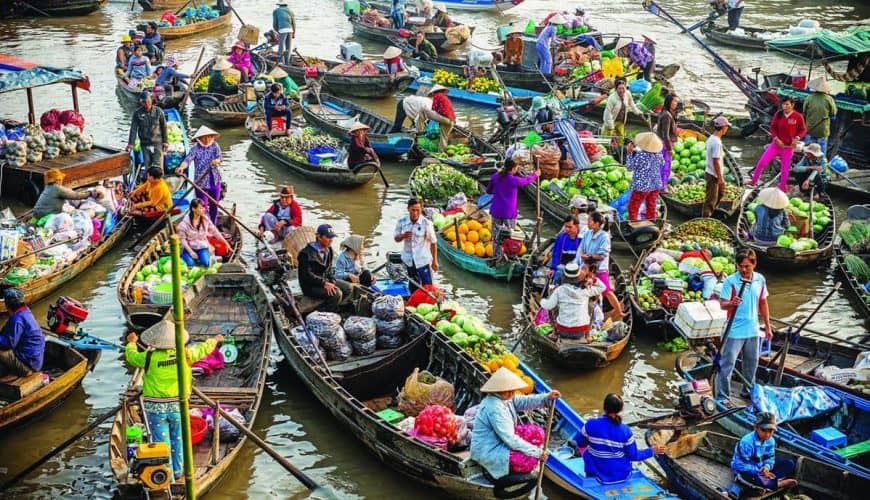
<point>416,107</point>
<point>493,437</point>
<point>420,246</point>
<point>54,195</point>
<point>595,249</point>
<point>423,49</point>
<point>545,40</point>
<point>735,10</point>
<point>514,49</point>
<point>819,110</point>
<point>744,331</point>
<point>206,157</point>
<point>149,126</point>
<point>284,23</point>
<point>754,462</point>
<point>645,161</point>
<point>160,389</point>
<point>666,129</point>
<point>123,54</point>
<point>787,128</point>
<point>619,105</point>
<point>22,343</point>
<point>649,43</point>
<point>275,103</point>
<point>714,173</point>
<point>282,217</point>
<point>565,248</point>
<point>359,149</point>
<point>610,445</point>
<point>316,277</point>
<point>198,235</point>
<point>504,186</point>
<point>443,108</point>
<point>397,14</point>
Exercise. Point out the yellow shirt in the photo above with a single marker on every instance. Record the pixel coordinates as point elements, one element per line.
<point>157,195</point>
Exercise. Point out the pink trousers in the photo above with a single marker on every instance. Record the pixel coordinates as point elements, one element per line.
<point>772,151</point>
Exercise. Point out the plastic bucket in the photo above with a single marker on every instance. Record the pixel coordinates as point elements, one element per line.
<point>198,427</point>
<point>799,81</point>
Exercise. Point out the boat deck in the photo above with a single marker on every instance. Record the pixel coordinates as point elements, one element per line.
<point>710,472</point>
<point>860,177</point>
<point>81,169</point>
<point>329,113</point>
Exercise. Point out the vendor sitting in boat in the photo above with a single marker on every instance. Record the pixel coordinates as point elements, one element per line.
<point>441,19</point>
<point>54,195</point>
<point>123,54</point>
<point>315,276</point>
<point>199,237</point>
<point>423,49</point>
<point>153,42</point>
<point>350,265</point>
<point>152,196</point>
<point>565,248</point>
<point>771,219</point>
<point>493,437</point>
<point>572,299</point>
<point>811,171</point>
<point>217,82</point>
<point>276,104</point>
<point>610,445</point>
<point>393,60</point>
<point>241,60</point>
<point>282,217</point>
<point>22,343</point>
<point>171,78</point>
<point>754,462</point>
<point>360,149</point>
<point>138,67</point>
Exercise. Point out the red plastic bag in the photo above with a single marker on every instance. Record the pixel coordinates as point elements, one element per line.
<point>50,121</point>
<point>169,17</point>
<point>72,117</point>
<point>421,297</point>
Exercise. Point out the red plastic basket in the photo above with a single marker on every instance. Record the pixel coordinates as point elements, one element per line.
<point>198,426</point>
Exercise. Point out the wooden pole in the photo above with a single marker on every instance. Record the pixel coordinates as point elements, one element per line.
<point>31,113</point>
<point>75,96</point>
<point>546,446</point>
<point>190,84</point>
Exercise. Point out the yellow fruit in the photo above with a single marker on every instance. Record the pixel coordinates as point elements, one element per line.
<point>463,237</point>
<point>511,364</point>
<point>468,248</point>
<point>489,250</point>
<point>455,244</point>
<point>474,225</point>
<point>531,385</point>
<point>488,224</point>
<point>463,228</point>
<point>513,358</point>
<point>450,234</point>
<point>485,235</point>
<point>473,236</point>
<point>492,366</point>
<point>479,250</point>
<point>523,250</point>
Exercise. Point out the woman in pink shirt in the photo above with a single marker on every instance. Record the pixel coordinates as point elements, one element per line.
<point>787,127</point>
<point>194,232</point>
<point>241,60</point>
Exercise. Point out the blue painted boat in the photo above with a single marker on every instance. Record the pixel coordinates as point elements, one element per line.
<point>489,99</point>
<point>851,417</point>
<point>335,117</point>
<point>469,5</point>
<point>174,116</point>
<point>567,470</point>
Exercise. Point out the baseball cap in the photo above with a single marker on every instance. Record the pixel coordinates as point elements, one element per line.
<point>766,420</point>
<point>325,230</point>
<point>721,121</point>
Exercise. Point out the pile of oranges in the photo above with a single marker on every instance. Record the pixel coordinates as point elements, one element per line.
<point>474,238</point>
<point>512,363</point>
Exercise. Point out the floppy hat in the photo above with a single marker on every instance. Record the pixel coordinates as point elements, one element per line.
<point>162,335</point>
<point>721,121</point>
<point>240,45</point>
<point>579,202</point>
<point>813,149</point>
<point>772,197</point>
<point>437,88</point>
<point>126,38</point>
<point>572,271</point>
<point>171,60</point>
<point>277,72</point>
<point>53,175</point>
<point>358,126</point>
<point>820,84</point>
<point>204,131</point>
<point>503,380</point>
<point>354,242</point>
<point>648,142</point>
<point>392,52</point>
<point>288,190</point>
<point>558,19</point>
<point>221,64</point>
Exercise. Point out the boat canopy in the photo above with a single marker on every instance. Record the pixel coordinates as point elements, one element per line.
<point>17,74</point>
<point>828,44</point>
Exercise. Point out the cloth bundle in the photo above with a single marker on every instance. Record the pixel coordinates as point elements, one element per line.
<point>422,389</point>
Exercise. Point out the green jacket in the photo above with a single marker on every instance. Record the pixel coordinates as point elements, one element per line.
<point>161,378</point>
<point>818,110</point>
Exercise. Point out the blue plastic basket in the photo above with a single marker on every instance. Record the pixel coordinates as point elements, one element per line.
<point>320,153</point>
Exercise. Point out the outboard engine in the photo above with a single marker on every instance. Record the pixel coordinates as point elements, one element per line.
<point>269,265</point>
<point>696,399</point>
<point>65,315</point>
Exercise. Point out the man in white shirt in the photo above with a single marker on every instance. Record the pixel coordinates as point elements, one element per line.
<point>420,250</point>
<point>416,107</point>
<point>714,174</point>
<point>735,10</point>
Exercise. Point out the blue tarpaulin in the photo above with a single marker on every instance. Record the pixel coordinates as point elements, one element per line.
<point>794,403</point>
<point>575,148</point>
<point>16,74</point>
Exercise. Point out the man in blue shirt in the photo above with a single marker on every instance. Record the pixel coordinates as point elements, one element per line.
<point>22,343</point>
<point>397,14</point>
<point>744,330</point>
<point>565,248</point>
<point>754,463</point>
<point>153,42</point>
<point>275,103</point>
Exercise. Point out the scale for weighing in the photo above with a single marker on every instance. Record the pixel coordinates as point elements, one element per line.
<point>229,350</point>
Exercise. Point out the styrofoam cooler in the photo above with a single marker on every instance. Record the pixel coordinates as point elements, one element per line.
<point>8,244</point>
<point>697,320</point>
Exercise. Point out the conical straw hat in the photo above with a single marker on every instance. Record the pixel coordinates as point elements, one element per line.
<point>503,380</point>
<point>162,335</point>
<point>648,142</point>
<point>772,197</point>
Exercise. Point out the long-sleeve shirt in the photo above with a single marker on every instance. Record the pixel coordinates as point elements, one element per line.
<point>314,261</point>
<point>803,165</point>
<point>441,104</point>
<point>269,104</point>
<point>647,168</point>
<point>752,454</point>
<point>818,110</point>
<point>595,243</point>
<point>292,213</point>
<point>52,198</point>
<point>359,150</point>
<point>138,67</point>
<point>787,128</point>
<point>639,54</point>
<point>425,49</point>
<point>240,61</point>
<point>493,436</point>
<point>150,126</point>
<point>503,189</point>
<point>666,129</point>
<point>161,378</point>
<point>157,195</point>
<point>22,335</point>
<point>513,50</point>
<point>197,236</point>
<point>202,157</point>
<point>153,39</point>
<point>346,265</point>
<point>611,449</point>
<point>769,223</point>
<point>573,303</point>
<point>168,74</point>
<point>547,37</point>
<point>283,19</point>
<point>615,105</point>
<point>564,244</point>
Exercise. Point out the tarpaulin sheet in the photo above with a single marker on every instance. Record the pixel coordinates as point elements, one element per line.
<point>854,41</point>
<point>794,403</point>
<point>16,74</point>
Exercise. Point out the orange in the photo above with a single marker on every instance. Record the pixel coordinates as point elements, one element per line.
<point>485,235</point>
<point>531,385</point>
<point>488,224</point>
<point>463,228</point>
<point>492,366</point>
<point>474,225</point>
<point>473,236</point>
<point>468,247</point>
<point>463,237</point>
<point>523,250</point>
<point>511,364</point>
<point>450,234</point>
<point>513,357</point>
<point>489,250</point>
<point>479,250</point>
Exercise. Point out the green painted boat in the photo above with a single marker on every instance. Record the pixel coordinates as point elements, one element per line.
<point>484,266</point>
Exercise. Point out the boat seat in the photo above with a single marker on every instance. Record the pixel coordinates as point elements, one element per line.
<point>21,386</point>
<point>307,304</point>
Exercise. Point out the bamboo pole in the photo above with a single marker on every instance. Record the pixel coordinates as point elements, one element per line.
<point>182,369</point>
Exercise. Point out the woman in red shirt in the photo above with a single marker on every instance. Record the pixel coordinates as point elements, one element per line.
<point>787,127</point>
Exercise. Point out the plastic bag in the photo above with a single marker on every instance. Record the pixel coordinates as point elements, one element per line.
<point>519,462</point>
<point>359,328</point>
<point>341,353</point>
<point>388,307</point>
<point>59,223</point>
<point>309,343</point>
<point>323,324</point>
<point>389,341</point>
<point>469,415</point>
<point>72,117</point>
<point>422,389</point>
<point>392,328</point>
<point>82,224</point>
<point>364,347</point>
<point>50,120</point>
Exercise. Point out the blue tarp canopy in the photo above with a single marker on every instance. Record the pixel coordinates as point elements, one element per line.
<point>16,74</point>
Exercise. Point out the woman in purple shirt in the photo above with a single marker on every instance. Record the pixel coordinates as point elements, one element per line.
<point>504,186</point>
<point>206,157</point>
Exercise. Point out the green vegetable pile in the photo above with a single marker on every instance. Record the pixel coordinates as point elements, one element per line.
<point>856,236</point>
<point>678,344</point>
<point>296,147</point>
<point>464,330</point>
<point>605,181</point>
<point>652,98</point>
<point>436,183</point>
<point>691,193</point>
<point>161,272</point>
<point>857,268</point>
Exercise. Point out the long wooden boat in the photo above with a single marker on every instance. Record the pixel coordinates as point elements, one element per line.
<point>727,207</point>
<point>485,99</point>
<point>52,8</point>
<point>568,353</point>
<point>698,466</point>
<point>170,100</point>
<point>854,290</point>
<point>335,174</point>
<point>384,35</point>
<point>227,110</point>
<point>850,417</point>
<point>786,257</point>
<point>527,78</point>
<point>37,288</point>
<point>750,38</point>
<point>239,385</point>
<point>161,4</point>
<point>365,86</point>
<point>142,315</point>
<point>174,32</point>
<point>335,116</point>
<point>497,6</point>
<point>482,166</point>
<point>65,368</point>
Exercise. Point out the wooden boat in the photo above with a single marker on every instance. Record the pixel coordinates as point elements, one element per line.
<point>750,39</point>
<point>364,86</point>
<point>170,100</point>
<point>227,110</point>
<point>727,207</point>
<point>384,35</point>
<point>523,97</point>
<point>860,190</point>
<point>854,290</point>
<point>29,397</point>
<point>51,8</point>
<point>161,4</point>
<point>850,417</point>
<point>237,386</point>
<point>335,116</point>
<point>141,315</point>
<point>335,174</point>
<point>482,166</point>
<point>497,6</point>
<point>780,256</point>
<point>569,353</point>
<point>698,466</point>
<point>173,32</point>
<point>528,78</point>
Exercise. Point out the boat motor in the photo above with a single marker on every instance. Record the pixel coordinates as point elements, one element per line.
<point>64,316</point>
<point>269,265</point>
<point>696,400</point>
<point>511,241</point>
<point>150,465</point>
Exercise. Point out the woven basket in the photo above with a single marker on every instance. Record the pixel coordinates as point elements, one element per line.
<point>296,241</point>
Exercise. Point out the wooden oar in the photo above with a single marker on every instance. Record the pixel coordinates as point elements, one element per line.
<point>784,351</point>
<point>283,462</point>
<point>183,6</point>
<point>6,263</point>
<point>545,448</point>
<point>822,334</point>
<point>228,4</point>
<point>191,84</point>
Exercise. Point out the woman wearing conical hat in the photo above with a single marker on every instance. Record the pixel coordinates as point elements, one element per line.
<point>206,157</point>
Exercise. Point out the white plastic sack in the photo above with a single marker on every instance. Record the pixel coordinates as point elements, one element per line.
<point>59,223</point>
<point>82,224</point>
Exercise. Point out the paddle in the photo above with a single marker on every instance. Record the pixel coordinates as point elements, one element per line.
<point>545,448</point>
<point>784,351</point>
<point>709,19</point>
<point>183,6</point>
<point>236,13</point>
<point>191,84</point>
<point>821,334</point>
<point>6,263</point>
<point>38,11</point>
<point>283,462</point>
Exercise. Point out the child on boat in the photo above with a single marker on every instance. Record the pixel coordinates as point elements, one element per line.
<point>754,463</point>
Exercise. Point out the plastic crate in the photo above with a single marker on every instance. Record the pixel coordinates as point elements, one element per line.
<point>829,437</point>
<point>388,287</point>
<point>390,415</point>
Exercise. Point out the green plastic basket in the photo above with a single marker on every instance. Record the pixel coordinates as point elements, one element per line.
<point>390,415</point>
<point>162,293</point>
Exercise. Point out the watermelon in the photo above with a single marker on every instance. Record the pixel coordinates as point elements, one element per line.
<point>784,241</point>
